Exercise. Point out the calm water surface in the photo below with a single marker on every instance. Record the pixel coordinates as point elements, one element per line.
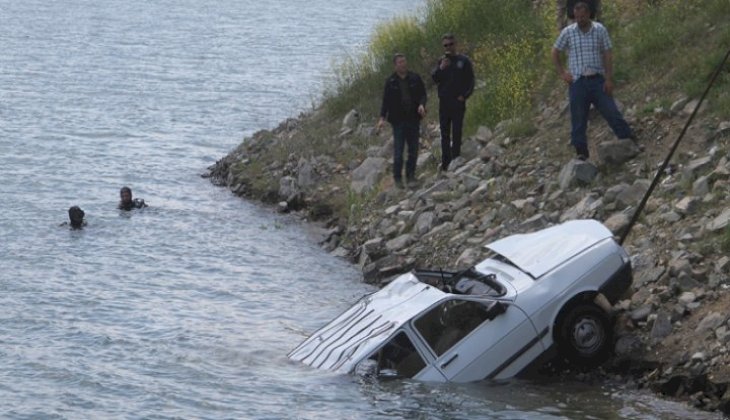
<point>188,308</point>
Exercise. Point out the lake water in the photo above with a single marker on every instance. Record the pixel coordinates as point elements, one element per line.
<point>188,308</point>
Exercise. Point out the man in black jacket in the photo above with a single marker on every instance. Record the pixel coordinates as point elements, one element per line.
<point>455,78</point>
<point>404,104</point>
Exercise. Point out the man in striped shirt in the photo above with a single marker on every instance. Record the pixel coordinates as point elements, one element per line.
<point>589,76</point>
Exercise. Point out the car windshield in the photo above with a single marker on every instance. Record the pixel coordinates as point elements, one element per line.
<point>447,323</point>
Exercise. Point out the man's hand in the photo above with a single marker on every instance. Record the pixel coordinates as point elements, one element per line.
<point>608,87</point>
<point>567,77</point>
<point>379,125</point>
<point>421,111</point>
<point>460,98</point>
<point>445,62</point>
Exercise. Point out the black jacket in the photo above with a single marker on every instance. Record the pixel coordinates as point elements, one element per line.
<point>392,107</point>
<point>455,80</point>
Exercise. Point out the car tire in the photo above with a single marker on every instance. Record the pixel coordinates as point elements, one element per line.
<point>585,335</point>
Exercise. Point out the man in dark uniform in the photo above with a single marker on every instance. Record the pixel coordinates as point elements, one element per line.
<point>127,203</point>
<point>404,104</point>
<point>454,76</point>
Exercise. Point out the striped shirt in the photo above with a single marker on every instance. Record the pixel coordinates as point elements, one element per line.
<point>585,49</point>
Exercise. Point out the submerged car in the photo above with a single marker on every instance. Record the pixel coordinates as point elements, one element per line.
<point>535,294</point>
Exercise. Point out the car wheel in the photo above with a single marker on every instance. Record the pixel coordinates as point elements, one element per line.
<point>585,335</point>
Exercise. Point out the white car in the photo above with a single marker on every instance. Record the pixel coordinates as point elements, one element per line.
<point>536,292</point>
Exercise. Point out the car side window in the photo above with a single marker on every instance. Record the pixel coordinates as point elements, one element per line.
<point>398,358</point>
<point>446,324</point>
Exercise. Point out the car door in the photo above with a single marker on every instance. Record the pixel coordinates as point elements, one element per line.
<point>474,339</point>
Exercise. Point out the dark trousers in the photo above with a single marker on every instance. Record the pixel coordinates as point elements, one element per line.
<point>584,92</point>
<point>451,120</point>
<point>405,133</point>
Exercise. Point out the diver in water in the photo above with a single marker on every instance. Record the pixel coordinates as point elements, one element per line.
<point>75,217</point>
<point>127,203</point>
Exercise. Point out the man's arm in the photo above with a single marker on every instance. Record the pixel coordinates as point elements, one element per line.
<point>608,67</point>
<point>567,77</point>
<point>469,74</point>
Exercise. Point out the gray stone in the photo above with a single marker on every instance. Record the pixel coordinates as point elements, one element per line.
<point>374,247</point>
<point>395,245</point>
<point>535,222</point>
<point>491,151</point>
<point>632,196</point>
<point>686,282</point>
<point>616,152</point>
<point>577,172</point>
<point>687,205</point>
<point>662,326</point>
<point>444,227</point>
<point>610,195</point>
<point>697,166</point>
<point>469,257</point>
<point>351,119</point>
<point>723,334</point>
<point>671,216</point>
<point>470,182</point>
<point>651,275</point>
<point>690,106</point>
<point>425,222</point>
<point>687,298</point>
<point>629,347</point>
<point>617,223</point>
<point>305,174</point>
<point>701,186</point>
<point>679,104</point>
<point>585,208</point>
<point>483,135</point>
<point>288,188</point>
<point>366,175</point>
<point>723,264</point>
<point>641,314</point>
<point>720,222</point>
<point>712,321</point>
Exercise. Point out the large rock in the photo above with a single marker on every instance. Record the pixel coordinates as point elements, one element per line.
<point>720,222</point>
<point>395,245</point>
<point>586,208</point>
<point>710,322</point>
<point>632,196</point>
<point>616,152</point>
<point>351,119</point>
<point>577,172</point>
<point>425,222</point>
<point>306,177</point>
<point>617,223</point>
<point>366,175</point>
<point>662,326</point>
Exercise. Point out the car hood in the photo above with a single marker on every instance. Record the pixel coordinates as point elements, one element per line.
<point>539,252</point>
<point>360,330</point>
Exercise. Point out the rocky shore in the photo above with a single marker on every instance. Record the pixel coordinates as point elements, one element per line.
<point>672,328</point>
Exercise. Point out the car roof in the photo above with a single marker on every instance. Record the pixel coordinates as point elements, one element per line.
<point>359,331</point>
<point>539,252</point>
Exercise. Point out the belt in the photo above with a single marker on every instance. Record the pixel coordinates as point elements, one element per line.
<point>592,76</point>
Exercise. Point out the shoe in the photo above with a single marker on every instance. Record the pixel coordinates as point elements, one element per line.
<point>582,157</point>
<point>399,184</point>
<point>412,184</point>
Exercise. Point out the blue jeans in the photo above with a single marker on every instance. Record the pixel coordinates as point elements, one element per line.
<point>584,92</point>
<point>405,133</point>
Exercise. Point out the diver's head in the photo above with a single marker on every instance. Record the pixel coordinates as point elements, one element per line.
<point>125,195</point>
<point>76,216</point>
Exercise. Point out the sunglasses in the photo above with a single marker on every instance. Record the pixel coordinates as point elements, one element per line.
<point>448,45</point>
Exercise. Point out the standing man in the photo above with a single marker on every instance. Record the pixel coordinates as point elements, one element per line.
<point>404,104</point>
<point>454,76</point>
<point>589,77</point>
